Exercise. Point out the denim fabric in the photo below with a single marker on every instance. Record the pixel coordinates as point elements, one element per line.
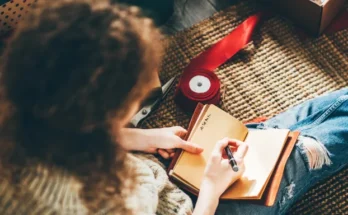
<point>324,119</point>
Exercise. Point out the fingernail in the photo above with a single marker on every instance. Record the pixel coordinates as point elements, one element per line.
<point>199,149</point>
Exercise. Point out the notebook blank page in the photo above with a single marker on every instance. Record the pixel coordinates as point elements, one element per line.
<point>265,147</point>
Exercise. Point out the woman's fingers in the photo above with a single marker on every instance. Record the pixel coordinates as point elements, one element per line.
<point>163,153</point>
<point>170,150</point>
<point>241,148</point>
<point>241,151</point>
<point>218,151</point>
<point>223,143</point>
<point>189,147</point>
<point>179,131</point>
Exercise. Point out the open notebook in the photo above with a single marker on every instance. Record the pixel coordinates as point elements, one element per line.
<point>264,162</point>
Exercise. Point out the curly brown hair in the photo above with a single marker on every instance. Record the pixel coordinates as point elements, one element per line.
<point>70,67</point>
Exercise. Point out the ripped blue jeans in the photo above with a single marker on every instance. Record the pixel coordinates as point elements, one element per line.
<point>321,151</point>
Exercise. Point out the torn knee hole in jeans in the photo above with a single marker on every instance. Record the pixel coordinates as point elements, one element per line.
<point>316,152</point>
<point>289,193</point>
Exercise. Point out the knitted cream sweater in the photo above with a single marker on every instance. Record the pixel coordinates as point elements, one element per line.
<point>55,191</point>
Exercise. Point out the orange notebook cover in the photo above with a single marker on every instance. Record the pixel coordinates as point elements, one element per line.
<point>264,177</point>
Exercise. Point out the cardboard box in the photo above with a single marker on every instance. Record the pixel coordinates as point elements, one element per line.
<point>310,16</point>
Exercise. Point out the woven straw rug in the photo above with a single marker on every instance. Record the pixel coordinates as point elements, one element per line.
<point>275,71</point>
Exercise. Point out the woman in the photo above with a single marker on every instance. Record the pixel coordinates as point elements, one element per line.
<point>75,72</point>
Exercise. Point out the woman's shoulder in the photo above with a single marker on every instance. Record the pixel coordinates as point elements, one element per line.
<point>40,189</point>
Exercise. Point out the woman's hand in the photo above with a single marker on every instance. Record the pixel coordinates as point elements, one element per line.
<point>160,140</point>
<point>218,175</point>
<point>166,140</point>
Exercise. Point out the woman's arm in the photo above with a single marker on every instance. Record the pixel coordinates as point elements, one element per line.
<point>207,201</point>
<point>218,176</point>
<point>161,140</point>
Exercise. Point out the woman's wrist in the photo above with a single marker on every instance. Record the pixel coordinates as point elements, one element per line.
<point>136,139</point>
<point>208,186</point>
<point>208,199</point>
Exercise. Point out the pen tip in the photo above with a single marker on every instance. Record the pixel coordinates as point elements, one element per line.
<point>235,168</point>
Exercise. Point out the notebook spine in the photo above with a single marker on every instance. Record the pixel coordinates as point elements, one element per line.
<point>178,152</point>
